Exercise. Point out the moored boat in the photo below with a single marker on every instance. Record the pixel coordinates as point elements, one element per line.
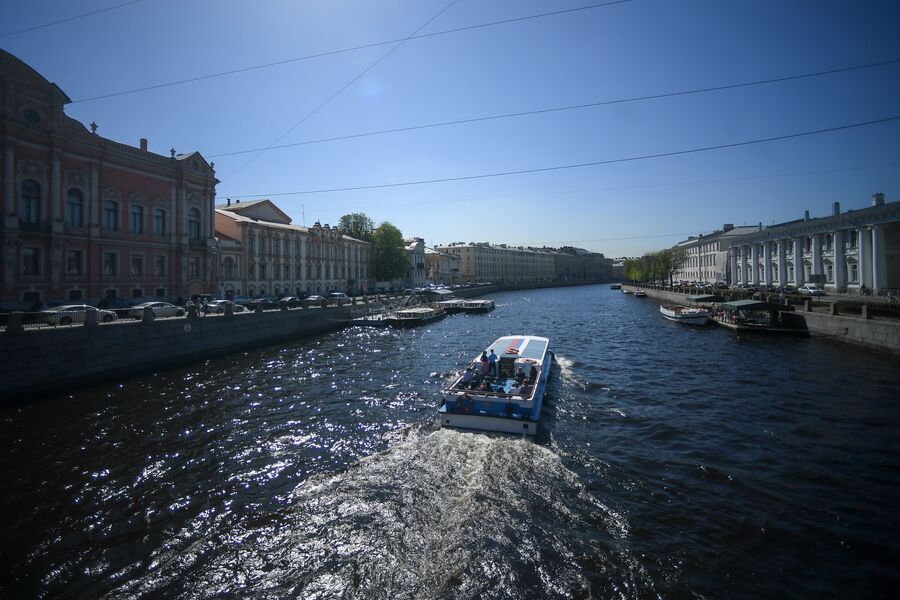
<point>640,294</point>
<point>684,314</point>
<point>451,306</point>
<point>507,398</point>
<point>478,306</point>
<point>616,286</point>
<point>416,315</point>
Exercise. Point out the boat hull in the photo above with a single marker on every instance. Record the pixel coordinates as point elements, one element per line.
<point>407,323</point>
<point>485,423</point>
<point>685,316</point>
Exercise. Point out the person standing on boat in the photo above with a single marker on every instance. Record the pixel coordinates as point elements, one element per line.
<point>492,360</point>
<point>485,364</point>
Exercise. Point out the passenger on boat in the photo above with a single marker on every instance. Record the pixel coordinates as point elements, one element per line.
<point>492,360</point>
<point>532,376</point>
<point>485,386</point>
<point>485,364</point>
<point>520,376</point>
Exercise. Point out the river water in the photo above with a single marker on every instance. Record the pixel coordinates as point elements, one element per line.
<point>673,462</point>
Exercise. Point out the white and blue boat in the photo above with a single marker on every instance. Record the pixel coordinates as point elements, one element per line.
<point>508,400</point>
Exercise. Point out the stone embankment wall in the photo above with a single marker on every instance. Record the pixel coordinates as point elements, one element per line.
<point>878,334</point>
<point>37,362</point>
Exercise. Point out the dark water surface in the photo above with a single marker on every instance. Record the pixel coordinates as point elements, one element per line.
<point>674,463</point>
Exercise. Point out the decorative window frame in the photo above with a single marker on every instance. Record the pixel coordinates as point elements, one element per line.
<point>111,194</point>
<point>137,200</point>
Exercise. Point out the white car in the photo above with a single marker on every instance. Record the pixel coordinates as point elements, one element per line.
<point>160,309</point>
<point>75,313</point>
<point>217,307</point>
<point>810,290</point>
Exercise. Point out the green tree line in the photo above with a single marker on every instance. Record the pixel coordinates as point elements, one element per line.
<point>391,261</point>
<point>653,266</point>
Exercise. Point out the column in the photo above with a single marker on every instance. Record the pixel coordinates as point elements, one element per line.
<point>865,271</point>
<point>767,267</point>
<point>817,254</point>
<point>798,262</point>
<point>840,278</point>
<point>782,262</point>
<point>879,258</point>
<point>754,264</point>
<point>744,278</point>
<point>733,261</point>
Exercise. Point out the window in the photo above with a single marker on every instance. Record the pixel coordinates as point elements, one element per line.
<point>76,295</point>
<point>32,116</point>
<point>137,293</point>
<point>137,265</point>
<point>74,262</point>
<point>262,270</point>
<point>159,221</point>
<point>74,208</point>
<point>110,263</point>
<point>195,266</point>
<point>251,271</point>
<point>276,247</point>
<point>854,238</point>
<point>31,297</point>
<point>137,219</point>
<point>276,271</point>
<point>194,224</point>
<point>31,202</point>
<point>251,244</point>
<point>228,268</point>
<point>159,265</point>
<point>110,215</point>
<point>853,272</point>
<point>31,261</point>
<point>160,292</point>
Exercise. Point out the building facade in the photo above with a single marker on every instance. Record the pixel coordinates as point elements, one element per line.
<point>86,218</point>
<point>263,253</point>
<point>707,255</point>
<point>482,262</point>
<point>415,254</point>
<point>441,267</point>
<point>842,252</point>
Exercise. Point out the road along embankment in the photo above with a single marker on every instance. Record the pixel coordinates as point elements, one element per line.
<point>879,334</point>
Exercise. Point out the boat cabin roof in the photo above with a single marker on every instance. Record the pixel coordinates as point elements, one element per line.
<point>753,305</point>
<point>521,346</point>
<point>706,298</point>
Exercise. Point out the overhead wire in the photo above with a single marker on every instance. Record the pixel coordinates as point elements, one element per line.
<point>344,50</point>
<point>585,105</point>
<point>344,87</point>
<point>576,165</point>
<point>67,19</point>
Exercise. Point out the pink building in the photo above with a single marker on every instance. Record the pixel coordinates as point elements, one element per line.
<point>87,218</point>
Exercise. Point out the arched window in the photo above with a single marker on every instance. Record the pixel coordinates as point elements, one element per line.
<point>31,202</point>
<point>159,221</point>
<point>194,224</point>
<point>110,215</point>
<point>251,243</point>
<point>137,219</point>
<point>74,208</point>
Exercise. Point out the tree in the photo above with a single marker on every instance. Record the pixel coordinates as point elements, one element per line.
<point>670,261</point>
<point>390,253</point>
<point>358,226</point>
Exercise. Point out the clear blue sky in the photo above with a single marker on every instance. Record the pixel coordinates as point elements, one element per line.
<point>627,50</point>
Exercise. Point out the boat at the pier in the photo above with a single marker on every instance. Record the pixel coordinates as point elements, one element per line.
<point>451,306</point>
<point>508,400</point>
<point>616,286</point>
<point>415,315</point>
<point>478,306</point>
<point>684,314</point>
<point>626,291</point>
<point>746,316</point>
<point>640,294</point>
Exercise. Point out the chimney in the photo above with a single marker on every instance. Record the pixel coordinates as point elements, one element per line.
<point>836,208</point>
<point>878,199</point>
<point>727,226</point>
<point>228,203</point>
<point>760,225</point>
<point>144,144</point>
<point>806,215</point>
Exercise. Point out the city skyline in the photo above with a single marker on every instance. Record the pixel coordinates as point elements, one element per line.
<point>590,177</point>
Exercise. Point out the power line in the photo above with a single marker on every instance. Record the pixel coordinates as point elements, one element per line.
<point>343,50</point>
<point>578,165</point>
<point>566,108</point>
<point>344,87</point>
<point>67,19</point>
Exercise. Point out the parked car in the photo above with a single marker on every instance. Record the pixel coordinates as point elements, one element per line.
<point>338,297</point>
<point>75,313</point>
<point>217,307</point>
<point>789,289</point>
<point>242,300</point>
<point>316,299</point>
<point>290,302</point>
<point>810,289</point>
<point>262,301</point>
<point>160,309</point>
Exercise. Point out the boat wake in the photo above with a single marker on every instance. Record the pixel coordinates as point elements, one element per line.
<point>441,514</point>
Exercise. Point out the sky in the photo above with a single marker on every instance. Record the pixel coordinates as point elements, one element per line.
<point>628,176</point>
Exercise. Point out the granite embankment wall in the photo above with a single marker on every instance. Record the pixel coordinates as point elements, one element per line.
<point>879,334</point>
<point>39,362</point>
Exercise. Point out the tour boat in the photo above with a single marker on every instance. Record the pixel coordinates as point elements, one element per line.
<point>451,306</point>
<point>640,294</point>
<point>505,401</point>
<point>616,286</point>
<point>626,291</point>
<point>478,306</point>
<point>416,315</point>
<point>684,314</point>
